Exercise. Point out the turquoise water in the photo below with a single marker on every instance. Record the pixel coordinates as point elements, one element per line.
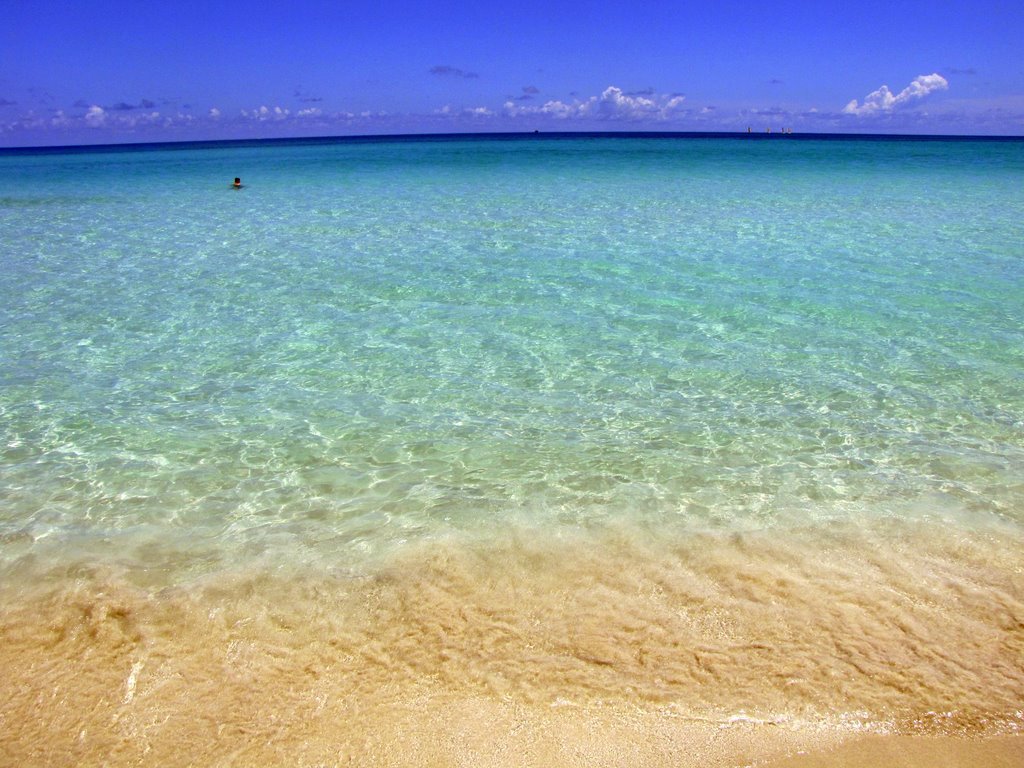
<point>375,343</point>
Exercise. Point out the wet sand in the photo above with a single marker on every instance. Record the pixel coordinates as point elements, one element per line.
<point>912,752</point>
<point>840,646</point>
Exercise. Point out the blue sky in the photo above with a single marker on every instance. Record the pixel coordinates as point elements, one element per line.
<point>100,71</point>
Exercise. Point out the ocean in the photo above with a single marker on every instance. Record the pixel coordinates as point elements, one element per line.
<point>411,445</point>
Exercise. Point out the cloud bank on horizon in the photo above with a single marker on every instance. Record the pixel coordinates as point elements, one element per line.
<point>612,104</point>
<point>632,110</point>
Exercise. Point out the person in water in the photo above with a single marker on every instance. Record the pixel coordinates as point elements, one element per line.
<point>238,183</point>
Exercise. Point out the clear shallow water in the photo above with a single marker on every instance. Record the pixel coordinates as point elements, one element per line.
<point>416,437</point>
<point>382,341</point>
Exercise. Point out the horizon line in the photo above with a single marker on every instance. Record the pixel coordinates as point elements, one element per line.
<point>498,135</point>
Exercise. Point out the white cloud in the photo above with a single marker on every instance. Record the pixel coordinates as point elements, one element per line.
<point>178,120</point>
<point>552,108</point>
<point>884,100</point>
<point>612,104</point>
<point>214,113</point>
<point>131,121</point>
<point>616,105</point>
<point>448,111</point>
<point>265,113</point>
<point>309,112</point>
<point>95,116</point>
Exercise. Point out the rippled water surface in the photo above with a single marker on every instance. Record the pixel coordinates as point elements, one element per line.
<point>373,342</point>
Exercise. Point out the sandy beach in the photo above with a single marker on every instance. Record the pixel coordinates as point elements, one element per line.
<point>604,650</point>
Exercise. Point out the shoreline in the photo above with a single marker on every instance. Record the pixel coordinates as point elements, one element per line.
<point>425,729</point>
